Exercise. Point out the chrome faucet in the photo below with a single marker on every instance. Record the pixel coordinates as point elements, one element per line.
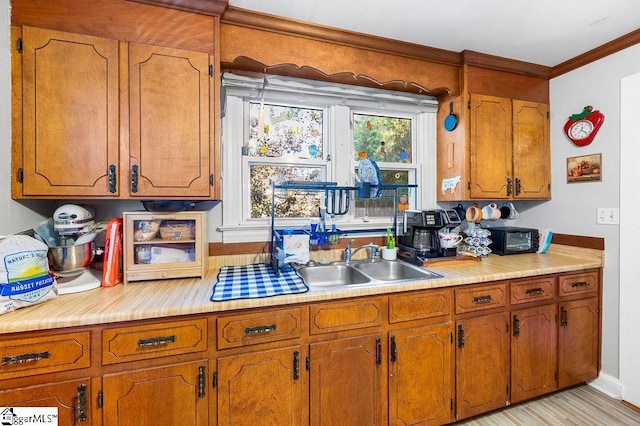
<point>348,252</point>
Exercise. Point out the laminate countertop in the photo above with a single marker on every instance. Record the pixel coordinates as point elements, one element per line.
<point>168,298</point>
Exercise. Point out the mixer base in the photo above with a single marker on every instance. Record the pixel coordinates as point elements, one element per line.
<point>88,280</point>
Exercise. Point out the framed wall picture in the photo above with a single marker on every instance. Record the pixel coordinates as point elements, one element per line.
<point>585,168</point>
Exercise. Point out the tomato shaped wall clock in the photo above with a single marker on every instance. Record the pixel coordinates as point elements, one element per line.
<point>582,128</point>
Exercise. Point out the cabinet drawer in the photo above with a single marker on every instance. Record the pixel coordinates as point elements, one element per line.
<point>422,305</point>
<point>579,283</point>
<point>259,327</point>
<point>341,316</point>
<point>479,298</point>
<point>48,354</point>
<point>134,343</point>
<point>532,290</point>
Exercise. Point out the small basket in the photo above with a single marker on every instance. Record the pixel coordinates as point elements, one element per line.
<point>175,230</point>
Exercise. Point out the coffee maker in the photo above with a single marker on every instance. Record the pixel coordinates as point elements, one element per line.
<point>419,239</point>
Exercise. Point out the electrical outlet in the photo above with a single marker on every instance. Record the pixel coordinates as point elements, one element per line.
<point>608,216</point>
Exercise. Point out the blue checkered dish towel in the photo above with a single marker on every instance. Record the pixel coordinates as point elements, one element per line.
<point>252,281</point>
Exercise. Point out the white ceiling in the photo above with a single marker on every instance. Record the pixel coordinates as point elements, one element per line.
<point>544,32</point>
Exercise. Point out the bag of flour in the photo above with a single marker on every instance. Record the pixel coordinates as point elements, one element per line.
<point>24,273</point>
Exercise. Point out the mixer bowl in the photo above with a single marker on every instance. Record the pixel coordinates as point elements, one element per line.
<point>71,260</point>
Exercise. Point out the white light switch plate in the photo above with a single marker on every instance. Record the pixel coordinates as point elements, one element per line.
<point>608,216</point>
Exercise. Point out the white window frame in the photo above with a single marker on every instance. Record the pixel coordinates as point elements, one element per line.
<point>338,103</point>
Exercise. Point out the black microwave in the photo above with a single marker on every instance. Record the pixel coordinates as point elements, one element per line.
<point>513,240</point>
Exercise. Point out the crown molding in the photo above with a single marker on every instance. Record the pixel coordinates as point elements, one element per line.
<point>600,52</point>
<point>204,7</point>
<point>261,21</point>
<point>483,60</point>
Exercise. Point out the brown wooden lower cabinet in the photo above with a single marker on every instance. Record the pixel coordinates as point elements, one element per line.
<point>578,341</point>
<point>534,337</point>
<point>347,381</point>
<point>428,357</point>
<point>263,388</point>
<point>421,375</point>
<point>171,395</point>
<point>73,399</point>
<point>482,364</point>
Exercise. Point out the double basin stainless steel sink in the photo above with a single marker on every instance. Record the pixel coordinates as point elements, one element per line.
<point>363,273</point>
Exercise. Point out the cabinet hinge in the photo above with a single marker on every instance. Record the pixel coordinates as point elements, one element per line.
<point>211,179</point>
<point>100,399</point>
<point>507,389</point>
<point>19,44</point>
<point>20,175</point>
<point>202,381</point>
<point>469,104</point>
<point>469,185</point>
<point>210,70</point>
<point>214,380</point>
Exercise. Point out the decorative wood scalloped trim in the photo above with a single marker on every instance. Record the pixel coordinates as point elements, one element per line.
<point>243,63</point>
<point>599,52</point>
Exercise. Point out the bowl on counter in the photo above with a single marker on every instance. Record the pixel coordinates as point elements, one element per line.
<point>69,261</point>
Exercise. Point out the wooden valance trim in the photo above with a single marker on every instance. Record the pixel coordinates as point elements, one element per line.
<point>251,67</point>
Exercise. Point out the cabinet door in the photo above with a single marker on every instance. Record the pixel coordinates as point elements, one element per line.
<point>490,147</point>
<point>421,376</point>
<point>70,114</point>
<point>71,398</point>
<point>533,352</point>
<point>348,382</point>
<point>578,342</point>
<point>531,157</point>
<point>482,364</point>
<point>169,119</point>
<point>172,395</point>
<point>263,388</point>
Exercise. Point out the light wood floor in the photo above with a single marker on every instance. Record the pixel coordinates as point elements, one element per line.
<point>580,406</point>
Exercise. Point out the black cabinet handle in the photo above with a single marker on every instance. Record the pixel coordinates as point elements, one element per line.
<point>134,178</point>
<point>81,404</point>
<point>378,351</point>
<point>509,186</point>
<point>563,316</point>
<point>580,284</point>
<point>482,299</point>
<point>260,329</point>
<point>460,336</point>
<point>518,186</point>
<point>21,359</point>
<point>296,365</point>
<point>156,341</point>
<point>393,349</point>
<point>534,291</point>
<point>112,178</point>
<point>516,326</point>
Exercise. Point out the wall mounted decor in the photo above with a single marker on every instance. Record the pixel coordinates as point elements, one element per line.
<point>585,168</point>
<point>582,128</point>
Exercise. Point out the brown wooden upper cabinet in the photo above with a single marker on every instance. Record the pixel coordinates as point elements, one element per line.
<point>102,118</point>
<point>506,152</point>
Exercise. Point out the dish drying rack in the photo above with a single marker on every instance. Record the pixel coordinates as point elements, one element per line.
<point>337,200</point>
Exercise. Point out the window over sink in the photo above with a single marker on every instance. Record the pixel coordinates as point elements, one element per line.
<point>278,129</point>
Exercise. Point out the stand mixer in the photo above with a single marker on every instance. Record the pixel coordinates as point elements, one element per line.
<point>72,259</point>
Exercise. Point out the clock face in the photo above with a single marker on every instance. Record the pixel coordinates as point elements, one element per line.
<point>581,129</point>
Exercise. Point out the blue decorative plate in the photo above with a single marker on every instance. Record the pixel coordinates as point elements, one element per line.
<point>368,171</point>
